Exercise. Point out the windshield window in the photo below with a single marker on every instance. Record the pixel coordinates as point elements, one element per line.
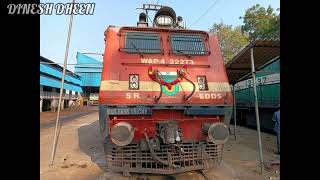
<point>142,42</point>
<point>188,44</point>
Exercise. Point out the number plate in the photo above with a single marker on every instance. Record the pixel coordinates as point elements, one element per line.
<point>129,111</point>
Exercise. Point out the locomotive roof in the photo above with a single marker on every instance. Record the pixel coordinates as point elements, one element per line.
<point>152,29</point>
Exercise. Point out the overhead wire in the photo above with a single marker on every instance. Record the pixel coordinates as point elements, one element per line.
<point>213,4</point>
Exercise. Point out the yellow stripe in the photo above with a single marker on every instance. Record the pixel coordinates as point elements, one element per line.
<point>115,85</point>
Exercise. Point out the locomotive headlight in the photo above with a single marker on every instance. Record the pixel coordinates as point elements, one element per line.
<point>202,82</point>
<point>164,21</point>
<point>218,133</point>
<point>134,81</point>
<point>122,133</point>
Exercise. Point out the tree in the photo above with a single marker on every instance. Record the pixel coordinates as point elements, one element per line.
<point>260,22</point>
<point>231,40</point>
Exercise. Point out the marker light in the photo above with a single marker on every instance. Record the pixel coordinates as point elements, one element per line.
<point>134,81</point>
<point>202,82</point>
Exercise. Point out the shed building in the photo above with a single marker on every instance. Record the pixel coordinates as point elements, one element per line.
<point>50,84</point>
<point>89,69</point>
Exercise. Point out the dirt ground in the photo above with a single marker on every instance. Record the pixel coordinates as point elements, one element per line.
<point>80,156</point>
<point>48,119</point>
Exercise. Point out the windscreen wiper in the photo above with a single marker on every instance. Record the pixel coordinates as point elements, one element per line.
<point>183,53</point>
<point>137,49</point>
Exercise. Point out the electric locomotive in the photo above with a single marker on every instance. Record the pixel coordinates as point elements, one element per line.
<point>165,101</point>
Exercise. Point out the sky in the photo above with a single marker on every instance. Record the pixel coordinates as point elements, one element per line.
<point>88,30</point>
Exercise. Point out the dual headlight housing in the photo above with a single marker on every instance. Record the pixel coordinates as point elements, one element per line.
<point>164,20</point>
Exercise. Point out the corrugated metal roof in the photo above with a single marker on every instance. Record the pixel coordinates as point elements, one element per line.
<point>43,59</point>
<point>84,59</point>
<point>263,50</point>
<point>86,64</point>
<point>48,69</point>
<point>47,81</point>
<point>89,69</point>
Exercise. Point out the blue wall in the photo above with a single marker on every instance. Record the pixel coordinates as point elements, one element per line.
<point>47,81</point>
<point>50,76</point>
<point>89,69</point>
<point>57,73</point>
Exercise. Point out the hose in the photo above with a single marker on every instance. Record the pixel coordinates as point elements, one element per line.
<point>193,90</point>
<point>158,98</point>
<point>155,157</point>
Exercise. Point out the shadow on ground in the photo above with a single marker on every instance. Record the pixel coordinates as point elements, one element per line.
<point>90,143</point>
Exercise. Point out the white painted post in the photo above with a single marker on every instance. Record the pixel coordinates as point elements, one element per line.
<point>234,111</point>
<point>62,104</point>
<point>41,102</point>
<point>253,72</point>
<point>61,89</point>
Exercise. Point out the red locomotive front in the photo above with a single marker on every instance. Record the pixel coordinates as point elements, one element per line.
<point>165,100</point>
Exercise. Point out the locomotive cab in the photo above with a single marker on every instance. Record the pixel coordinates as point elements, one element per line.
<point>165,101</point>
